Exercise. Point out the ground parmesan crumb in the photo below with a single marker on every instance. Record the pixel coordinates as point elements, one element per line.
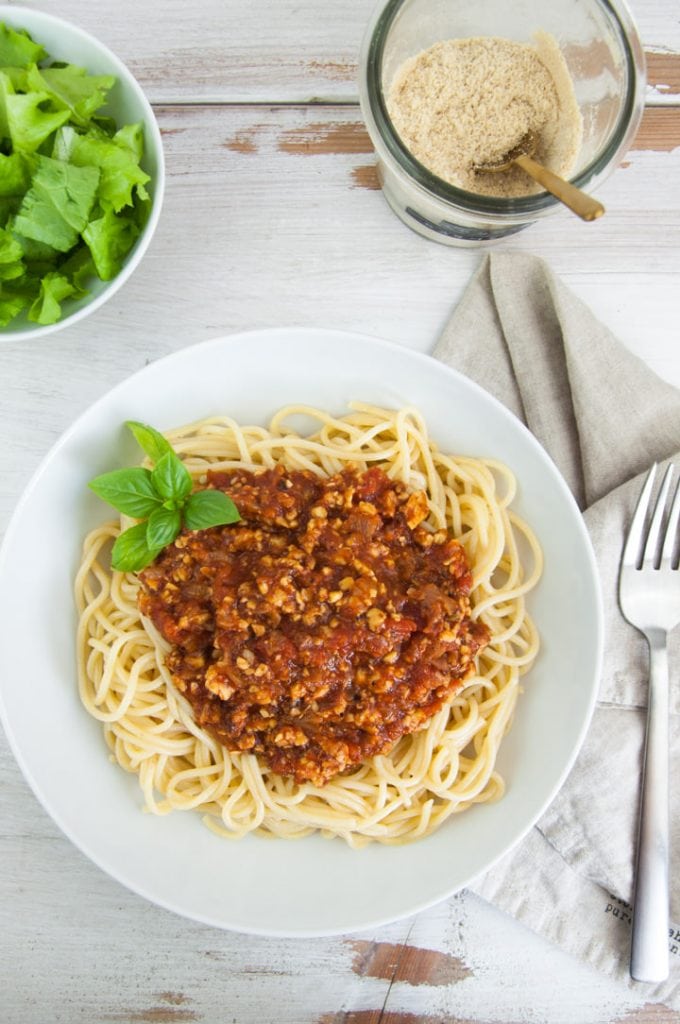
<point>465,102</point>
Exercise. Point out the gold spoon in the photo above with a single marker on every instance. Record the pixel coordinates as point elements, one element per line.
<point>585,206</point>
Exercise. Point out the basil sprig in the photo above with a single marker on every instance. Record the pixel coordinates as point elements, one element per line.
<point>161,498</point>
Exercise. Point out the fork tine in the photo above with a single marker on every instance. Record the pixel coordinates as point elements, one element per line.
<point>651,558</point>
<point>633,548</point>
<point>671,537</point>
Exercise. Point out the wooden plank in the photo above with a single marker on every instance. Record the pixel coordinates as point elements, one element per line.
<point>271,217</point>
<point>659,130</point>
<point>308,169</point>
<point>75,945</point>
<point>282,52</point>
<point>663,76</point>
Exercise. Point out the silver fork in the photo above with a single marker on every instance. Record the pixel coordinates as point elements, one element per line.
<point>649,596</point>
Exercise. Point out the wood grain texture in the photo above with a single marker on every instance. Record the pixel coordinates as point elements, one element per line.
<point>663,76</point>
<point>75,946</point>
<point>409,964</point>
<point>380,1017</point>
<point>228,51</point>
<point>659,129</point>
<point>650,1013</point>
<point>279,233</point>
<point>273,216</point>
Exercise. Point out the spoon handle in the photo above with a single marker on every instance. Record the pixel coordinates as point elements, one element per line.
<point>585,206</point>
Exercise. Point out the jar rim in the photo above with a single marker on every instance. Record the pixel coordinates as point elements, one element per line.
<point>500,206</point>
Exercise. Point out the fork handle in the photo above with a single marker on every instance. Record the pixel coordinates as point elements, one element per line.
<point>649,953</point>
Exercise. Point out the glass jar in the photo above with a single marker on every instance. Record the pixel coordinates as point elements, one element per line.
<point>601,47</point>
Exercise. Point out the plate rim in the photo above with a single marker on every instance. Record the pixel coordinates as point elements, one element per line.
<point>327,335</point>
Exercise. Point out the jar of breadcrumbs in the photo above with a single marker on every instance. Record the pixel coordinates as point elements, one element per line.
<point>447,86</point>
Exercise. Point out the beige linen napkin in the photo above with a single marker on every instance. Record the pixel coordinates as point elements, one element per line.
<point>604,417</point>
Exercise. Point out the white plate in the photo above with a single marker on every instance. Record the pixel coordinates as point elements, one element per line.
<point>310,886</point>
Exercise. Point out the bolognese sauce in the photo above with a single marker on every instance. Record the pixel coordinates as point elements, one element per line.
<point>326,624</point>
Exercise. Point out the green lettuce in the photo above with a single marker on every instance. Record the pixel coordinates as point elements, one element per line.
<point>29,124</point>
<point>117,163</point>
<point>73,196</point>
<point>17,49</point>
<point>54,288</point>
<point>71,88</point>
<point>15,176</point>
<point>12,263</point>
<point>109,238</point>
<point>56,208</point>
<point>11,304</point>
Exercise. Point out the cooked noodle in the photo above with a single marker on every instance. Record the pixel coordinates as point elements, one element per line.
<point>428,775</point>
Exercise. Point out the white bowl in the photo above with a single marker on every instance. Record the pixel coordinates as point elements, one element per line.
<point>127,104</point>
<point>311,886</point>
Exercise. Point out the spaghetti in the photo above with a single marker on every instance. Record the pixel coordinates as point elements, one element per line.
<point>442,769</point>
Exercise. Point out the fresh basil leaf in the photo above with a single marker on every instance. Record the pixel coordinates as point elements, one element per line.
<point>162,527</point>
<point>149,440</point>
<point>209,508</point>
<point>171,478</point>
<point>131,552</point>
<point>129,490</point>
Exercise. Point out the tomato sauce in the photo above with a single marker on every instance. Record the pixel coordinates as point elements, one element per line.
<point>326,624</point>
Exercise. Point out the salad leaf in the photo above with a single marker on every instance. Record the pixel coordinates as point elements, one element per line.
<point>12,271</point>
<point>104,124</point>
<point>6,89</point>
<point>14,175</point>
<point>73,194</point>
<point>132,137</point>
<point>71,88</point>
<point>28,123</point>
<point>54,288</point>
<point>117,163</point>
<point>11,303</point>
<point>17,78</point>
<point>39,259</point>
<point>11,257</point>
<point>17,49</point>
<point>78,268</point>
<point>109,238</point>
<point>57,206</point>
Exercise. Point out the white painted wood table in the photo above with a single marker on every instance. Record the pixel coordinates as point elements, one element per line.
<point>273,217</point>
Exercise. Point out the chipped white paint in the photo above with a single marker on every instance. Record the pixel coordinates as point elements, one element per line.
<point>256,236</point>
<point>259,51</point>
<point>660,95</point>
